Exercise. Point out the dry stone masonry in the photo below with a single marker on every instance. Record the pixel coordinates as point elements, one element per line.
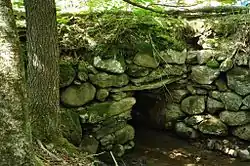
<point>208,95</point>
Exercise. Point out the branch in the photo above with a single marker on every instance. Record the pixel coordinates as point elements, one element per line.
<point>144,7</point>
<point>166,5</point>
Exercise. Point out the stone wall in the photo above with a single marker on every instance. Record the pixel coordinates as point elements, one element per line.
<point>208,94</point>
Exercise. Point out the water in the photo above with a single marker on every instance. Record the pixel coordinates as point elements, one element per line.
<point>158,148</point>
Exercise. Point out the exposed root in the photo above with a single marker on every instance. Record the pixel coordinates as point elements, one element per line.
<point>48,152</point>
<point>113,157</point>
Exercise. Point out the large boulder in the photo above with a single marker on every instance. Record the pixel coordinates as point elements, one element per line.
<point>109,65</point>
<point>145,59</point>
<point>242,132</point>
<point>174,57</point>
<point>105,80</point>
<point>214,105</point>
<point>124,135</point>
<point>235,118</point>
<point>213,126</point>
<point>101,111</point>
<point>71,126</point>
<point>67,73</point>
<point>204,74</point>
<point>231,101</point>
<point>193,105</point>
<point>78,95</point>
<point>238,79</point>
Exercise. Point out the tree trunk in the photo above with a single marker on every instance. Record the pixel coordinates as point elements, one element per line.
<point>43,68</point>
<point>14,129</point>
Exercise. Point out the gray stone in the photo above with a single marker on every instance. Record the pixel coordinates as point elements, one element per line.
<point>124,135</point>
<point>204,74</point>
<point>174,57</point>
<point>215,94</point>
<point>89,144</point>
<point>184,131</point>
<point>146,60</point>
<point>71,126</point>
<point>160,72</point>
<point>118,96</point>
<point>194,120</point>
<point>102,111</point>
<point>238,79</point>
<point>110,65</point>
<point>246,101</point>
<point>193,105</point>
<point>178,95</point>
<point>243,132</point>
<point>76,95</point>
<point>235,118</point>
<point>173,112</point>
<point>231,101</point>
<point>226,65</point>
<point>203,56</point>
<point>244,154</point>
<point>67,73</point>
<point>213,126</point>
<point>102,94</point>
<point>214,105</point>
<point>137,71</point>
<point>192,57</point>
<point>105,80</point>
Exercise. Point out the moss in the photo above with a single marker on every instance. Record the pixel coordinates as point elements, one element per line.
<point>67,73</point>
<point>63,145</point>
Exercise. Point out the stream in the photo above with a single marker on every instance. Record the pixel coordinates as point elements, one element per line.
<point>158,148</point>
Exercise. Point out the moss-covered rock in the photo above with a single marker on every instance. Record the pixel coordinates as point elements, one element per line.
<point>235,118</point>
<point>173,112</point>
<point>243,132</point>
<point>67,73</point>
<point>214,105</point>
<point>173,57</point>
<point>137,71</point>
<point>153,85</point>
<point>213,126</point>
<point>178,95</point>
<point>78,95</point>
<point>204,74</point>
<point>70,126</point>
<point>105,80</point>
<point>184,131</point>
<point>238,79</point>
<point>193,105</point>
<point>102,94</point>
<point>118,96</point>
<point>215,94</point>
<point>221,85</point>
<point>226,65</point>
<point>213,63</point>
<point>203,56</point>
<point>124,135</point>
<point>194,120</point>
<point>231,101</point>
<point>102,111</point>
<point>146,59</point>
<point>89,144</point>
<point>246,101</point>
<point>110,65</point>
<point>160,72</point>
<point>241,59</point>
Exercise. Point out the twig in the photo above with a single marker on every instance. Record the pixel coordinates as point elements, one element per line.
<point>116,164</point>
<point>94,155</point>
<point>47,151</point>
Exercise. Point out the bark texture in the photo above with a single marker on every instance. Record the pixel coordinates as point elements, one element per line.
<point>43,69</point>
<point>14,134</point>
